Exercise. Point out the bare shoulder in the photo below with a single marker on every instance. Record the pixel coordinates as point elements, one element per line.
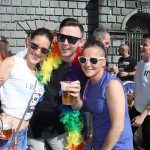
<point>114,91</point>
<point>9,62</point>
<point>6,68</point>
<point>114,84</point>
<point>7,65</point>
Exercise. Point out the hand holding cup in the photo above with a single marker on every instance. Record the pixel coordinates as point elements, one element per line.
<point>6,129</point>
<point>70,91</point>
<point>2,136</point>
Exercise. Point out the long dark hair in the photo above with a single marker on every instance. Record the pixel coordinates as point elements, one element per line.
<point>4,48</point>
<point>43,32</point>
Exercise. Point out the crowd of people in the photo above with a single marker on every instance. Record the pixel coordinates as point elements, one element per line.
<point>31,95</point>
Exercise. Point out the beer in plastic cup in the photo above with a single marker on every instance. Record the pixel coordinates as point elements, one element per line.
<point>67,98</point>
<point>130,98</point>
<point>6,129</point>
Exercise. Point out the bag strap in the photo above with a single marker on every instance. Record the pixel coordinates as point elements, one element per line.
<point>15,134</point>
<point>85,91</point>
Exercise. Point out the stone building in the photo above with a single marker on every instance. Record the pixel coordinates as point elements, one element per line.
<point>125,21</point>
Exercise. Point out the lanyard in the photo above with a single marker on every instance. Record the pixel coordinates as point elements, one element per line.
<point>15,134</point>
<point>85,90</point>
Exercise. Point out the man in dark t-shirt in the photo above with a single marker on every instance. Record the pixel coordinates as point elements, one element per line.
<point>126,64</point>
<point>45,123</point>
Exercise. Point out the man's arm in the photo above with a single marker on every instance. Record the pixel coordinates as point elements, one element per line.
<point>74,87</point>
<point>137,121</point>
<point>133,72</point>
<point>124,74</point>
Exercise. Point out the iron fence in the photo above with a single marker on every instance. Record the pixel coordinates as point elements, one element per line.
<point>133,40</point>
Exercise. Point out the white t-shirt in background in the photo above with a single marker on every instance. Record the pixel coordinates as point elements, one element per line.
<point>142,85</point>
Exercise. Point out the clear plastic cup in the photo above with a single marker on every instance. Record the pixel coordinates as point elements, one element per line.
<point>67,98</point>
<point>6,128</point>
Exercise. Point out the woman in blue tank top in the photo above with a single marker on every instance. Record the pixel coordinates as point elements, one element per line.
<point>104,96</point>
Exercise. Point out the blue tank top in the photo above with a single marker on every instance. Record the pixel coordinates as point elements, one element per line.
<point>97,104</point>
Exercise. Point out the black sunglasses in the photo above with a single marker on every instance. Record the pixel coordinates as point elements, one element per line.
<point>93,60</point>
<point>35,46</point>
<point>71,39</point>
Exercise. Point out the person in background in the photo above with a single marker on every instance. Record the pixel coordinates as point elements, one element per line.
<point>4,39</point>
<point>4,48</point>
<point>140,112</point>
<point>19,85</point>
<point>126,64</point>
<point>105,98</point>
<point>101,34</point>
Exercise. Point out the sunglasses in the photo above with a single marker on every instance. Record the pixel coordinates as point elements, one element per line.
<point>93,60</point>
<point>36,46</point>
<point>71,39</point>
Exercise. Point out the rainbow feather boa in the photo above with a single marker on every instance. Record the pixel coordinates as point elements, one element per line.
<point>73,125</point>
<point>70,118</point>
<point>52,62</point>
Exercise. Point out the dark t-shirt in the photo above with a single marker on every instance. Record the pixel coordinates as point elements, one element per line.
<point>126,65</point>
<point>47,113</point>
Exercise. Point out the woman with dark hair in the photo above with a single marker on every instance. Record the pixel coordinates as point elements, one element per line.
<point>2,38</point>
<point>19,85</point>
<point>4,48</point>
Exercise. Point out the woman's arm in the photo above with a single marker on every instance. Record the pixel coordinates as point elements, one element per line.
<point>5,69</point>
<point>90,135</point>
<point>116,105</point>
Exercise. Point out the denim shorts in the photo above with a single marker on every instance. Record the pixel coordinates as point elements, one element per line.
<point>21,144</point>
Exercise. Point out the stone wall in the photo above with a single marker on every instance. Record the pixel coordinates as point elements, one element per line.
<point>112,14</point>
<point>20,16</point>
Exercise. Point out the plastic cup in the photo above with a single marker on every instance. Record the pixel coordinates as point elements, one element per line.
<point>130,98</point>
<point>67,98</point>
<point>6,129</point>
